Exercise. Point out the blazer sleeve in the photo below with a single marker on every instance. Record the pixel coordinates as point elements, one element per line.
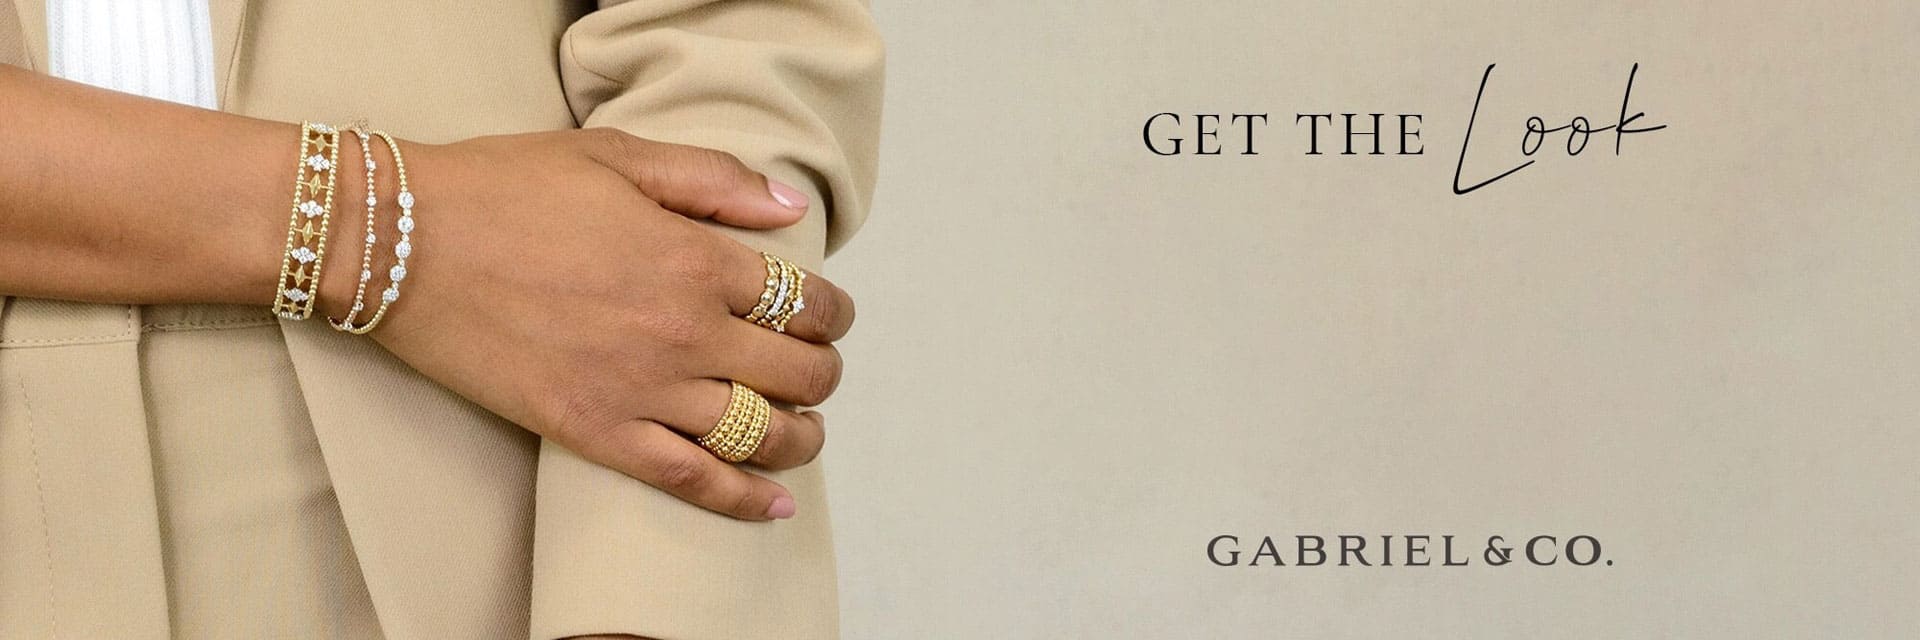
<point>793,88</point>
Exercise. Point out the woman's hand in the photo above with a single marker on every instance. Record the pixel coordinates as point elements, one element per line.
<point>561,283</point>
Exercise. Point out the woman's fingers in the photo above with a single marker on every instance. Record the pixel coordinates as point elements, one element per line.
<point>828,315</point>
<point>654,454</point>
<point>781,368</point>
<point>792,439</point>
<point>698,182</point>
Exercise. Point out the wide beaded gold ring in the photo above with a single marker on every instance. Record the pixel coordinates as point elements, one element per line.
<point>742,427</point>
<point>783,297</point>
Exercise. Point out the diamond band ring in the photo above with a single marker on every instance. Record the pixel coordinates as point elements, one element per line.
<point>783,297</point>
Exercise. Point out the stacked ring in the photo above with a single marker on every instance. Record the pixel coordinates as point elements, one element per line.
<point>742,427</point>
<point>774,274</point>
<point>784,295</point>
<point>799,279</point>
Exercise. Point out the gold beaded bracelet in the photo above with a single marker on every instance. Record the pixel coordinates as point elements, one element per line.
<point>314,173</point>
<point>401,250</point>
<point>366,254</point>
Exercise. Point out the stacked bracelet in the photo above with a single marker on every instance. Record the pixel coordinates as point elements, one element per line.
<point>366,255</point>
<point>401,250</point>
<point>306,248</point>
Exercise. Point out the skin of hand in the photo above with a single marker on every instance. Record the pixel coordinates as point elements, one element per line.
<point>565,285</point>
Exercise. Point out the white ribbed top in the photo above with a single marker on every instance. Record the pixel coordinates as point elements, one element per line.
<point>156,48</point>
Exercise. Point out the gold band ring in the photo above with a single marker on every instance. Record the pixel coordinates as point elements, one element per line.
<point>783,296</point>
<point>742,427</point>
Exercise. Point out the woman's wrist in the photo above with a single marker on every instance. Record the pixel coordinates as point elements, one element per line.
<point>249,232</point>
<point>250,238</point>
<point>226,240</point>
<point>111,198</point>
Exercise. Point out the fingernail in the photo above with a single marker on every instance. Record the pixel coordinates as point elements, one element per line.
<point>781,509</point>
<point>788,197</point>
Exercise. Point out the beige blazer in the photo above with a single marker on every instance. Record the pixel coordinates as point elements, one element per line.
<point>439,495</point>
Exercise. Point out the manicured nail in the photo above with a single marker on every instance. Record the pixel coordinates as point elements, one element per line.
<point>781,509</point>
<point>788,197</point>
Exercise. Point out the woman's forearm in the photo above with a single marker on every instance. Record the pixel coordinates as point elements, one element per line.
<point>107,197</point>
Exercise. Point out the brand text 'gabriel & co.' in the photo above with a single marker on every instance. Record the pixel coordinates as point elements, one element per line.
<point>1406,550</point>
<point>1381,134</point>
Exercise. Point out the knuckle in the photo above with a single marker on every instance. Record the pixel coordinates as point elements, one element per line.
<point>693,262</point>
<point>819,444</point>
<point>773,446</point>
<point>714,170</point>
<point>581,417</point>
<point>843,305</point>
<point>678,328</point>
<point>806,454</point>
<point>613,142</point>
<point>820,310</point>
<point>822,379</point>
<point>745,504</point>
<point>682,475</point>
<point>722,163</point>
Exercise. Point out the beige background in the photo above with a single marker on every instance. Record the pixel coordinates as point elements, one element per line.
<point>1077,362</point>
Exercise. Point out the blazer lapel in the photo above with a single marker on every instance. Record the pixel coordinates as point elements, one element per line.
<point>29,20</point>
<point>100,529</point>
<point>437,493</point>
<point>72,398</point>
<point>229,19</point>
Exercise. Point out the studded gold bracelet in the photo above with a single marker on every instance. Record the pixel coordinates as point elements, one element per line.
<point>306,249</point>
<point>401,250</point>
